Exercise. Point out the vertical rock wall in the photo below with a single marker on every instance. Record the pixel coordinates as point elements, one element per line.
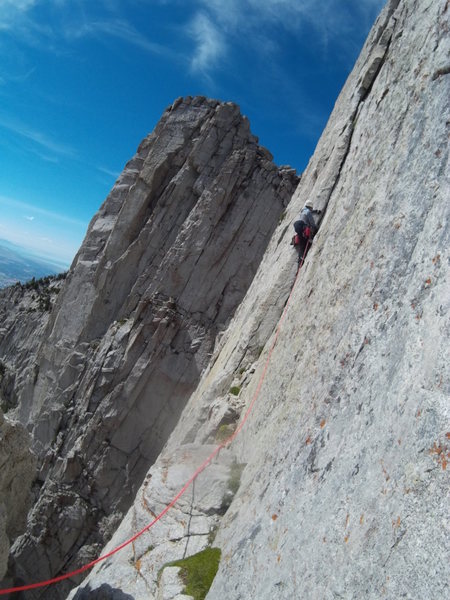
<point>346,487</point>
<point>17,472</point>
<point>343,464</point>
<point>164,265</point>
<point>24,313</point>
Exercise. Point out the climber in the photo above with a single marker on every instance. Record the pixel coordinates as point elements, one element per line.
<point>305,229</point>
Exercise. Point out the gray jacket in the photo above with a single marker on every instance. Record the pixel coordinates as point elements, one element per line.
<point>307,217</point>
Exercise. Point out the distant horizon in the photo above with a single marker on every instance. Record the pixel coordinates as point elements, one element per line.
<point>29,252</point>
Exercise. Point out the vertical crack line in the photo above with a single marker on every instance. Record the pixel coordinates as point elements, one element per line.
<point>354,116</point>
<point>188,533</point>
<point>364,93</point>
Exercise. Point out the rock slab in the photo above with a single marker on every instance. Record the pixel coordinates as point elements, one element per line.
<point>345,487</point>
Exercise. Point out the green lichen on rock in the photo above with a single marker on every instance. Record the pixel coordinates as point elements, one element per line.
<point>233,484</point>
<point>198,571</point>
<point>224,432</point>
<point>235,476</point>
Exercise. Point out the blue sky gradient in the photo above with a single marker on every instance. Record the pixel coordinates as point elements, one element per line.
<point>83,81</point>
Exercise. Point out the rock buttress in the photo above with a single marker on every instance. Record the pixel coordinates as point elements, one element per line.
<point>17,472</point>
<point>164,264</point>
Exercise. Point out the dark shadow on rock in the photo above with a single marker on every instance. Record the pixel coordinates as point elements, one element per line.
<point>104,592</point>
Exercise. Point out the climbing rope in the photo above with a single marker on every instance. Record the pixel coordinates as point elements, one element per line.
<point>200,469</point>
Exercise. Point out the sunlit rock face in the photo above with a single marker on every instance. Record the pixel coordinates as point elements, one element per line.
<point>164,265</point>
<point>343,462</point>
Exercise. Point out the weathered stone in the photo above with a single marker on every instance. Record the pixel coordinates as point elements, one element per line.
<point>164,265</point>
<point>17,472</point>
<point>171,586</point>
<point>187,529</point>
<point>346,450</point>
<point>24,313</point>
<point>344,493</point>
<point>344,489</point>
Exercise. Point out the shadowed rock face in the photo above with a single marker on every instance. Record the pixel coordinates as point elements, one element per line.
<point>24,314</point>
<point>17,471</point>
<point>165,262</point>
<point>345,487</point>
<point>105,592</point>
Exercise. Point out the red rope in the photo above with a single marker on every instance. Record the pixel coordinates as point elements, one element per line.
<point>200,469</point>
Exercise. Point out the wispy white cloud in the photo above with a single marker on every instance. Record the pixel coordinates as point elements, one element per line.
<point>209,44</point>
<point>48,214</point>
<point>14,17</point>
<point>330,19</point>
<point>9,8</point>
<point>109,172</point>
<point>41,139</point>
<point>29,218</point>
<point>119,29</point>
<point>73,23</point>
<point>292,13</point>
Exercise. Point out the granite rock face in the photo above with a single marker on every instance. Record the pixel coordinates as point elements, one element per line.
<point>163,267</point>
<point>343,478</point>
<point>17,472</point>
<point>24,313</point>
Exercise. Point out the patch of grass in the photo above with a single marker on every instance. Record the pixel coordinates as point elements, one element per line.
<point>198,571</point>
<point>235,390</point>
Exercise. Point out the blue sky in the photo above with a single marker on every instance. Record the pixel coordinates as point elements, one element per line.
<point>83,81</point>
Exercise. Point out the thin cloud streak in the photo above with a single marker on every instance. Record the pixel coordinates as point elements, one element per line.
<point>292,14</point>
<point>39,138</point>
<point>48,214</point>
<point>331,19</point>
<point>118,29</point>
<point>10,8</point>
<point>14,15</point>
<point>210,44</point>
<point>109,172</point>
